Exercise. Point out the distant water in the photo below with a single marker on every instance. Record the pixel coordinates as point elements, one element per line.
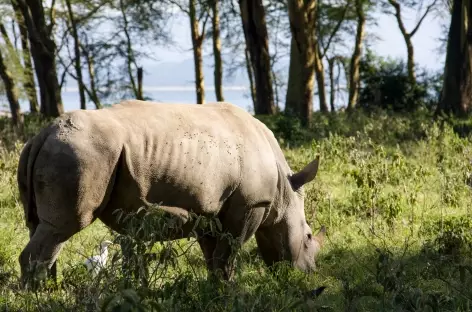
<point>239,97</point>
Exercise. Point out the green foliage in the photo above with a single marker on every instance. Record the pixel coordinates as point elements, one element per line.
<point>392,189</point>
<point>451,236</point>
<point>385,85</point>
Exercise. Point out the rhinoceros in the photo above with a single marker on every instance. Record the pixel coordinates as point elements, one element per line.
<point>212,160</point>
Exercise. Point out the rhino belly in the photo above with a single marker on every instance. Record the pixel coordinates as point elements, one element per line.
<point>183,174</point>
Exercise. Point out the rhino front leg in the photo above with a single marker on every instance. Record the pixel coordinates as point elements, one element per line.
<point>207,244</point>
<point>240,226</point>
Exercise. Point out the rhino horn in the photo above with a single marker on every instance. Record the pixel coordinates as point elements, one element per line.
<point>306,175</point>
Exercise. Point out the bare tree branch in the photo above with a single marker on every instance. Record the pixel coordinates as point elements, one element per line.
<point>428,9</point>
<point>179,5</point>
<point>202,33</point>
<point>52,18</point>
<point>336,29</point>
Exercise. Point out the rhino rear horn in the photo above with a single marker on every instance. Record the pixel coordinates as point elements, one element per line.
<point>306,175</point>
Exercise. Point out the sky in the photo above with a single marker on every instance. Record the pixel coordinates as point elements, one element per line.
<point>391,42</point>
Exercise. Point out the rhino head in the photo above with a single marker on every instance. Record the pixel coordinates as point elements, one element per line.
<point>288,237</point>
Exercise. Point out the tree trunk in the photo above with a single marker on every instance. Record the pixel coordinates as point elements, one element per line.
<point>43,49</point>
<point>257,43</point>
<point>302,16</point>
<point>332,94</point>
<point>292,99</point>
<point>276,88</point>
<point>250,75</point>
<point>140,84</point>
<point>93,94</point>
<point>14,33</point>
<point>217,51</point>
<point>24,77</point>
<point>77,60</point>
<point>456,95</point>
<point>407,37</point>
<point>28,80</point>
<point>411,61</point>
<point>12,94</point>
<point>130,60</point>
<point>320,78</point>
<point>356,57</point>
<point>197,43</point>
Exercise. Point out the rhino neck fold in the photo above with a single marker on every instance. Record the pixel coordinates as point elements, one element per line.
<point>278,209</point>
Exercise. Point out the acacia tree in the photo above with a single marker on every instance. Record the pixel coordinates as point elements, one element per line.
<point>407,36</point>
<point>257,43</point>
<point>77,55</point>
<point>331,31</point>
<point>299,100</point>
<point>218,72</point>
<point>109,60</point>
<point>43,49</point>
<point>130,53</point>
<point>334,81</point>
<point>456,95</point>
<point>29,84</point>
<point>354,77</point>
<point>9,81</point>
<point>198,13</point>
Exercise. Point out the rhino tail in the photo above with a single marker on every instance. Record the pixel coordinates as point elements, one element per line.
<point>29,155</point>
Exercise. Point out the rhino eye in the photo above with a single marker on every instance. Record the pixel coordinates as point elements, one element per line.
<point>308,236</point>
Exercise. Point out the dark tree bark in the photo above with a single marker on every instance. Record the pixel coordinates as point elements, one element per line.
<point>257,43</point>
<point>293,103</point>
<point>77,59</point>
<point>302,16</point>
<point>456,95</point>
<point>332,94</point>
<point>217,51</point>
<point>250,75</point>
<point>140,84</point>
<point>43,49</point>
<point>12,93</point>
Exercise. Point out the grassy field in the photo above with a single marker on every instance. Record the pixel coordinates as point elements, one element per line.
<point>393,191</point>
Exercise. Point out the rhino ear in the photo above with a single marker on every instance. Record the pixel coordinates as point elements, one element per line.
<point>306,175</point>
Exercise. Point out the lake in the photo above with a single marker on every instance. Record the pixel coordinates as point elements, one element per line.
<point>237,95</point>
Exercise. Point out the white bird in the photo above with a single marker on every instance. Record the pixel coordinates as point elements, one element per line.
<point>96,263</point>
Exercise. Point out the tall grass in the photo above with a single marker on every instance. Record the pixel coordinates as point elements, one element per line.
<point>394,192</point>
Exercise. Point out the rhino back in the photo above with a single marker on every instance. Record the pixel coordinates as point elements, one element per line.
<point>189,156</point>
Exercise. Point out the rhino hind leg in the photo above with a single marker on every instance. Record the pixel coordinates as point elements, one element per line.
<point>52,272</point>
<point>41,252</point>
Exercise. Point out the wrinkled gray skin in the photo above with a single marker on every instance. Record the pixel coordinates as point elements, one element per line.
<point>213,159</point>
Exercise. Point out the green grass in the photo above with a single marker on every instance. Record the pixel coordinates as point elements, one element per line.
<point>393,191</point>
